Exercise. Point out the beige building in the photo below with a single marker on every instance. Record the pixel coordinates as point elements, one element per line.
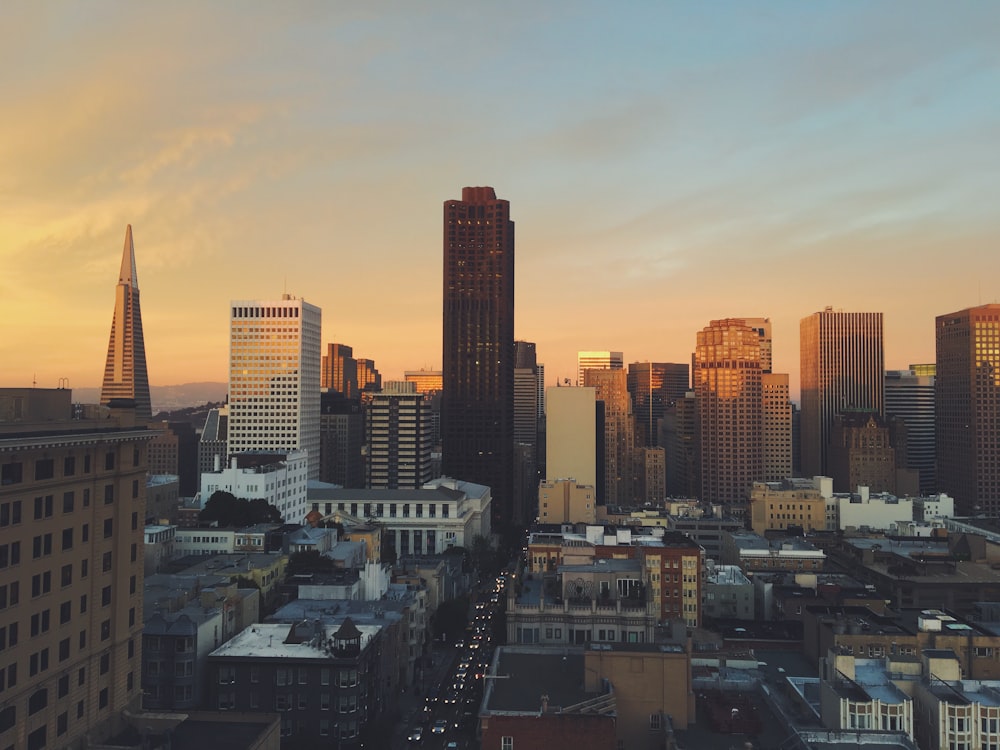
<point>651,682</point>
<point>597,361</point>
<point>566,501</point>
<point>571,434</point>
<point>72,505</point>
<point>776,506</point>
<point>777,426</point>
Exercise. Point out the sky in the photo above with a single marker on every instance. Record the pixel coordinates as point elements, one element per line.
<point>667,164</point>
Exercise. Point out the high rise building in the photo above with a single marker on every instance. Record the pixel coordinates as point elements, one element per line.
<point>611,390</point>
<point>967,394</point>
<point>777,427</point>
<point>399,438</point>
<point>369,378</point>
<point>763,328</point>
<point>341,437</point>
<point>427,382</point>
<point>679,438</point>
<point>213,446</point>
<point>863,452</point>
<point>653,386</point>
<point>525,393</point>
<point>340,370</point>
<point>125,373</point>
<point>571,434</point>
<point>477,419</point>
<point>910,397</point>
<point>727,383</point>
<point>842,367</point>
<point>72,506</point>
<point>274,374</point>
<point>597,361</point>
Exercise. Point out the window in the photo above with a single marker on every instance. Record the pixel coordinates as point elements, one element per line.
<point>69,466</point>
<point>62,723</point>
<point>64,649</point>
<point>36,740</point>
<point>102,699</point>
<point>85,532</point>
<point>67,539</point>
<point>109,525</point>
<point>106,562</point>
<point>105,630</point>
<point>105,663</point>
<point>11,474</point>
<point>109,494</point>
<point>65,612</point>
<point>654,722</point>
<point>68,502</point>
<point>506,743</point>
<point>45,468</point>
<point>38,701</point>
<point>64,686</point>
<point>109,461</point>
<point>106,596</point>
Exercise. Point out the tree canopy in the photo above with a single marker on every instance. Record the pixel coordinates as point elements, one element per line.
<point>309,561</point>
<point>226,509</point>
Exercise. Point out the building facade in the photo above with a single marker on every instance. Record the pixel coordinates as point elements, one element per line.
<point>727,383</point>
<point>72,501</point>
<point>571,434</point>
<point>125,374</point>
<point>597,361</point>
<point>777,426</point>
<point>339,370</point>
<point>281,480</point>
<point>477,419</point>
<point>653,386</point>
<point>910,397</point>
<point>842,367</point>
<point>610,388</point>
<point>967,395</point>
<point>399,438</point>
<point>274,378</point>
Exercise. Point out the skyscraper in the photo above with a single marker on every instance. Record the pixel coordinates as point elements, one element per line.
<point>653,386</point>
<point>340,370</point>
<point>274,376</point>
<point>910,397</point>
<point>597,361</point>
<point>399,438</point>
<point>842,367</point>
<point>477,419</point>
<point>125,373</point>
<point>619,433</point>
<point>763,328</point>
<point>727,384</point>
<point>967,390</point>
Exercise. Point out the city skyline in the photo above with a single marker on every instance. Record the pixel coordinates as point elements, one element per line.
<point>255,155</point>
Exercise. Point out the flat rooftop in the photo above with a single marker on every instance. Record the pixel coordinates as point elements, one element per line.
<point>523,675</point>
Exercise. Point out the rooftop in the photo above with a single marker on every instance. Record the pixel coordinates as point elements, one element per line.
<point>522,675</point>
<point>268,641</point>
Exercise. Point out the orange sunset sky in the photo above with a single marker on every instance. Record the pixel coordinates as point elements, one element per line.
<point>666,163</point>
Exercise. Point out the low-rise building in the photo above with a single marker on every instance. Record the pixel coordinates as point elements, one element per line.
<point>443,513</point>
<point>790,504</point>
<point>265,571</point>
<point>752,552</point>
<point>866,510</point>
<point>279,478</point>
<point>729,594</point>
<point>325,683</point>
<point>537,698</point>
<point>162,498</point>
<point>566,501</point>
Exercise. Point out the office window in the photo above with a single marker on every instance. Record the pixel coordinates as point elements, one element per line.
<point>106,562</point>
<point>102,699</point>
<point>109,525</point>
<point>45,468</point>
<point>506,743</point>
<point>105,663</point>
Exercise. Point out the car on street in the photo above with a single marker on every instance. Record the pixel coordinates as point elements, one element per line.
<point>440,726</point>
<point>416,734</point>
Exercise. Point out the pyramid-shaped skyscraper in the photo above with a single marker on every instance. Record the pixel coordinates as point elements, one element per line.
<point>125,373</point>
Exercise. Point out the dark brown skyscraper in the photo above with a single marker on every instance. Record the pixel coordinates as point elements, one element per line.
<point>477,418</point>
<point>967,390</point>
<point>125,370</point>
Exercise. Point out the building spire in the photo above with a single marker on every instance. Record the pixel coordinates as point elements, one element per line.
<point>125,375</point>
<point>127,274</point>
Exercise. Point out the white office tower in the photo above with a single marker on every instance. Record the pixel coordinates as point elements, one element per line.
<point>274,378</point>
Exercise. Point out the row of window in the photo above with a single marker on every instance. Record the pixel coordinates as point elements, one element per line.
<point>45,468</point>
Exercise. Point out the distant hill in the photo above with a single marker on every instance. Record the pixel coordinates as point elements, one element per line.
<point>167,397</point>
